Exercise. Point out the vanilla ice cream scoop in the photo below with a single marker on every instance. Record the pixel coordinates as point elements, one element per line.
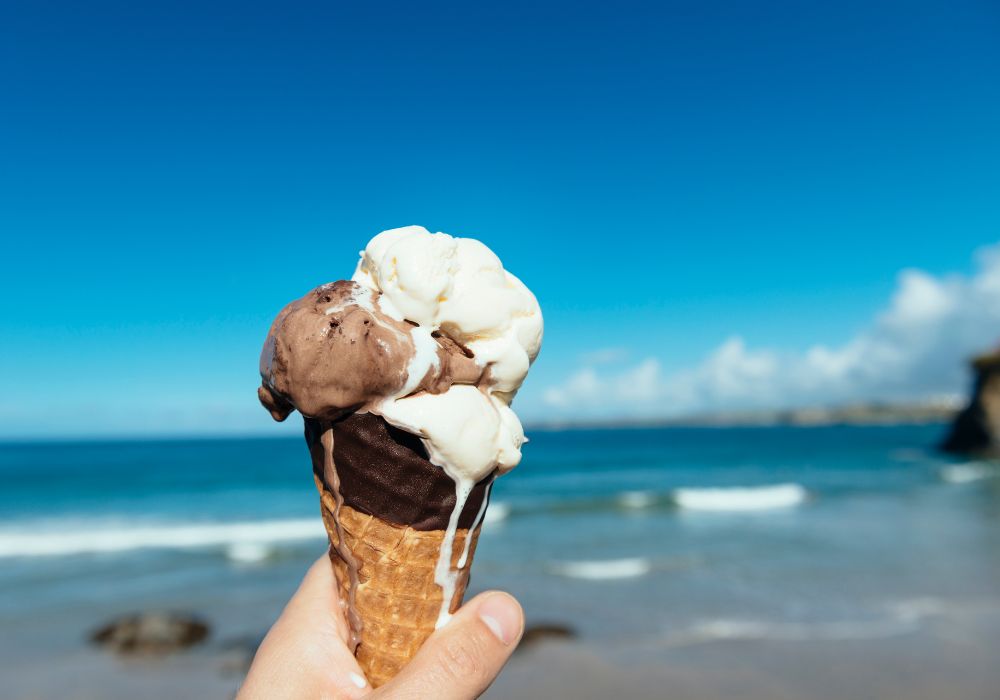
<point>458,287</point>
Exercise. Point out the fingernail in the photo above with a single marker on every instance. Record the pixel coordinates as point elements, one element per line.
<point>502,615</point>
<point>358,680</point>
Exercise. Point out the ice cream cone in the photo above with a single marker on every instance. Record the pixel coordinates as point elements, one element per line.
<point>404,377</point>
<point>396,598</point>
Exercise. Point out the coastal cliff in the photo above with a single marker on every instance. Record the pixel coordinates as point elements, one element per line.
<point>976,429</point>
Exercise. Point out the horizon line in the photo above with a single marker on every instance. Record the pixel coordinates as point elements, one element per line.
<point>689,422</point>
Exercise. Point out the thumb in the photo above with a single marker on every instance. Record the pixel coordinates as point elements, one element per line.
<point>461,660</point>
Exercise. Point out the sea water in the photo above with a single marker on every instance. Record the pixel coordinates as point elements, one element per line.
<point>655,538</point>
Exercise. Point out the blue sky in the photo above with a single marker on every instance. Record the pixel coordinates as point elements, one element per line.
<point>677,182</point>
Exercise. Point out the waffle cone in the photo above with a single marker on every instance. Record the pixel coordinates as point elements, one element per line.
<point>397,598</point>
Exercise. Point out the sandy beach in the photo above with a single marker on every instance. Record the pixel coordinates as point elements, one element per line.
<point>952,658</point>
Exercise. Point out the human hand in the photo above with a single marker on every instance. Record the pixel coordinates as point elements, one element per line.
<point>305,654</point>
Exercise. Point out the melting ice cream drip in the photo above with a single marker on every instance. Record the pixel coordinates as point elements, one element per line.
<point>475,524</point>
<point>331,478</point>
<point>425,357</point>
<point>445,575</point>
<point>359,296</point>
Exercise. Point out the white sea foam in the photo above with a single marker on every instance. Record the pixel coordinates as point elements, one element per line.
<point>496,513</point>
<point>968,472</point>
<point>604,570</point>
<point>919,608</point>
<point>746,499</point>
<point>238,537</point>
<point>637,500</point>
<point>249,552</point>
<point>738,629</point>
<point>892,620</point>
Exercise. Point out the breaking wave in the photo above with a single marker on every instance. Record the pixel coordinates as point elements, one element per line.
<point>250,552</point>
<point>244,541</point>
<point>741,499</point>
<point>968,472</point>
<point>895,619</point>
<point>637,500</point>
<point>603,570</point>
<point>496,512</point>
<point>738,629</point>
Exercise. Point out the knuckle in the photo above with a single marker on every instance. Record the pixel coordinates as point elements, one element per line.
<point>462,657</point>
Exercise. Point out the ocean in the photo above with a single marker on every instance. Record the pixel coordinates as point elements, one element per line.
<point>692,551</point>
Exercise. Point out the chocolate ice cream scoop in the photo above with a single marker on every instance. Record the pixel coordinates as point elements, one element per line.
<point>335,351</point>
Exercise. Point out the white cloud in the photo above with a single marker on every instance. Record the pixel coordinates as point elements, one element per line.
<point>915,348</point>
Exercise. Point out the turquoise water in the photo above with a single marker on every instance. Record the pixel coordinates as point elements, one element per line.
<point>665,537</point>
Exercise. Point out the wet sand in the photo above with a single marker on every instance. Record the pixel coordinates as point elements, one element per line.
<point>949,657</point>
